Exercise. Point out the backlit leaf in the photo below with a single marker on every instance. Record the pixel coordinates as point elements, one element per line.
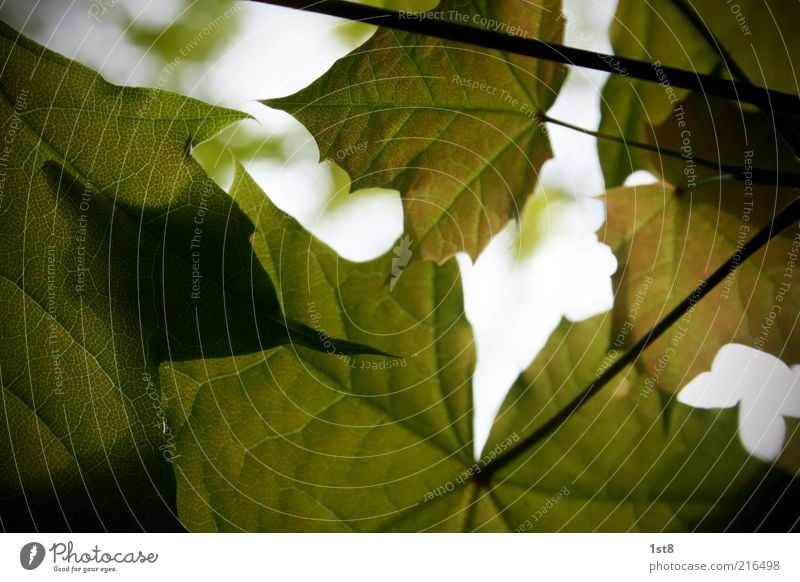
<point>453,127</point>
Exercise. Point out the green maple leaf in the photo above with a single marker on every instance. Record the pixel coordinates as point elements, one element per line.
<point>119,252</point>
<point>299,413</point>
<point>454,128</point>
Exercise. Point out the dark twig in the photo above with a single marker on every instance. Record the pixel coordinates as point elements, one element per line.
<point>541,49</point>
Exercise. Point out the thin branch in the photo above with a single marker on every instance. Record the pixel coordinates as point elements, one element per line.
<point>783,128</point>
<point>787,217</point>
<point>541,49</point>
<point>759,175</point>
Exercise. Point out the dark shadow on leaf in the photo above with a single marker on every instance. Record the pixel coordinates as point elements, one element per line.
<point>193,276</point>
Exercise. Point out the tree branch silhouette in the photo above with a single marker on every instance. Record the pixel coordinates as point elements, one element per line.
<point>540,49</point>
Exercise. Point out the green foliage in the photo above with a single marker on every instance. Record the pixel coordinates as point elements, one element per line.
<point>301,431</point>
<point>629,464</point>
<point>119,253</point>
<point>282,441</point>
<point>658,32</point>
<point>694,235</point>
<point>166,358</point>
<point>199,30</point>
<point>455,129</point>
<point>670,243</point>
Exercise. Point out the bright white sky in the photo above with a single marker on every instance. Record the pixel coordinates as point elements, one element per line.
<point>514,298</point>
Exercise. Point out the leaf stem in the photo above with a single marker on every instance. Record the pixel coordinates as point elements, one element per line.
<point>540,49</point>
<point>789,215</point>
<point>759,176</point>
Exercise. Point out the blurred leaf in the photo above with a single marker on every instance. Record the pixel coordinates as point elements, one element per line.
<point>679,240</point>
<point>720,132</point>
<point>452,127</point>
<point>122,257</point>
<point>658,32</point>
<point>236,143</point>
<point>201,29</point>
